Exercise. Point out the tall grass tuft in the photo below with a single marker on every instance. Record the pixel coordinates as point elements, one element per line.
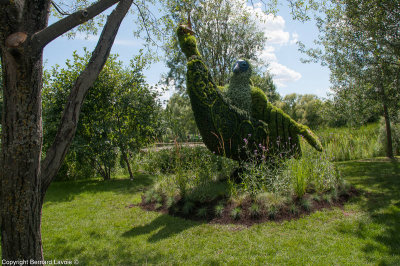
<point>343,144</point>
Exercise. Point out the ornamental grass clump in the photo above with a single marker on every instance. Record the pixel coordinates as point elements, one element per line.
<point>255,210</point>
<point>236,213</point>
<point>306,204</point>
<point>219,210</point>
<point>202,212</point>
<point>188,207</point>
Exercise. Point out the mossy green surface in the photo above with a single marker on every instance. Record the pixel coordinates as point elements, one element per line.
<point>239,90</point>
<point>225,128</point>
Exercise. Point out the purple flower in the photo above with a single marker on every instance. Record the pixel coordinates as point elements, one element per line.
<point>245,141</point>
<point>249,135</point>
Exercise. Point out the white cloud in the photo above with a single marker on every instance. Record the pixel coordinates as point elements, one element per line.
<point>295,38</point>
<point>268,54</point>
<point>282,74</point>
<point>274,29</point>
<point>272,26</point>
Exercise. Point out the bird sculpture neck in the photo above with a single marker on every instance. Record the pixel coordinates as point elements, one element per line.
<point>239,92</point>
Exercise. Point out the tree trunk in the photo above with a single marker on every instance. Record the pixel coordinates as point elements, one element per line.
<point>21,151</point>
<point>23,35</point>
<point>125,157</point>
<point>389,143</point>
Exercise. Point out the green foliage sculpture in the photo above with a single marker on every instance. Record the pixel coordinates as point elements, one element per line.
<point>230,130</point>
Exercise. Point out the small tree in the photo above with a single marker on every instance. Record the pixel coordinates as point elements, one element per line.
<point>179,117</point>
<point>361,43</point>
<point>119,114</point>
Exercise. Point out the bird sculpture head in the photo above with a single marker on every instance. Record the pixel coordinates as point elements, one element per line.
<point>187,41</point>
<point>242,69</point>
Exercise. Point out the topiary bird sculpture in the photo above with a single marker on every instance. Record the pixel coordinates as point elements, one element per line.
<point>230,124</point>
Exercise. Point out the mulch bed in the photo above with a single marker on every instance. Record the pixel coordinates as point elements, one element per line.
<point>246,219</point>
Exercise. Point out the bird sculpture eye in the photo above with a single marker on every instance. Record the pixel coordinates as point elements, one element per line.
<point>243,65</point>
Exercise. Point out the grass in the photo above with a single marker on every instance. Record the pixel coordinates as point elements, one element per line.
<point>343,144</point>
<point>89,221</point>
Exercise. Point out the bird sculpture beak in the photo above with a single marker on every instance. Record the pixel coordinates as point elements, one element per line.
<point>188,28</point>
<point>236,68</point>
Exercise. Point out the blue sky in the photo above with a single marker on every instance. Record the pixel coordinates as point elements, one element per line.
<point>290,75</point>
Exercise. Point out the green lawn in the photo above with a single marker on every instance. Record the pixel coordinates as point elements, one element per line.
<point>89,221</point>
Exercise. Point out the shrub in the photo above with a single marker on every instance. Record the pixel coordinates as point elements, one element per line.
<point>306,204</point>
<point>202,212</point>
<point>327,198</point>
<point>187,207</point>
<point>254,210</point>
<point>157,198</point>
<point>334,194</point>
<point>316,197</point>
<point>169,202</point>
<point>236,213</point>
<point>219,209</point>
<point>273,211</point>
<point>293,209</point>
<point>148,196</point>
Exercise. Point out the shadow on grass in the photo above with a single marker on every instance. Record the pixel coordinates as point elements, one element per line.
<point>380,183</point>
<point>88,256</point>
<point>67,190</point>
<point>166,225</point>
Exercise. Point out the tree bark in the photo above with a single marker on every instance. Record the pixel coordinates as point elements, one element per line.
<point>20,198</point>
<point>23,179</point>
<point>125,157</point>
<point>389,143</point>
<point>21,201</point>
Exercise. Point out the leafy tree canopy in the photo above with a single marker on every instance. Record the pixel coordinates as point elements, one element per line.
<point>119,116</point>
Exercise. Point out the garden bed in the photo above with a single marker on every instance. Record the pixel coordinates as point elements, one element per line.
<point>248,211</point>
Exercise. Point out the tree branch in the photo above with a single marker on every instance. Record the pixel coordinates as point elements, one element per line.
<point>69,121</point>
<point>43,37</point>
<point>59,10</point>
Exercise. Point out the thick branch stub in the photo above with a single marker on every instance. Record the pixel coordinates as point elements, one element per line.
<point>16,39</point>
